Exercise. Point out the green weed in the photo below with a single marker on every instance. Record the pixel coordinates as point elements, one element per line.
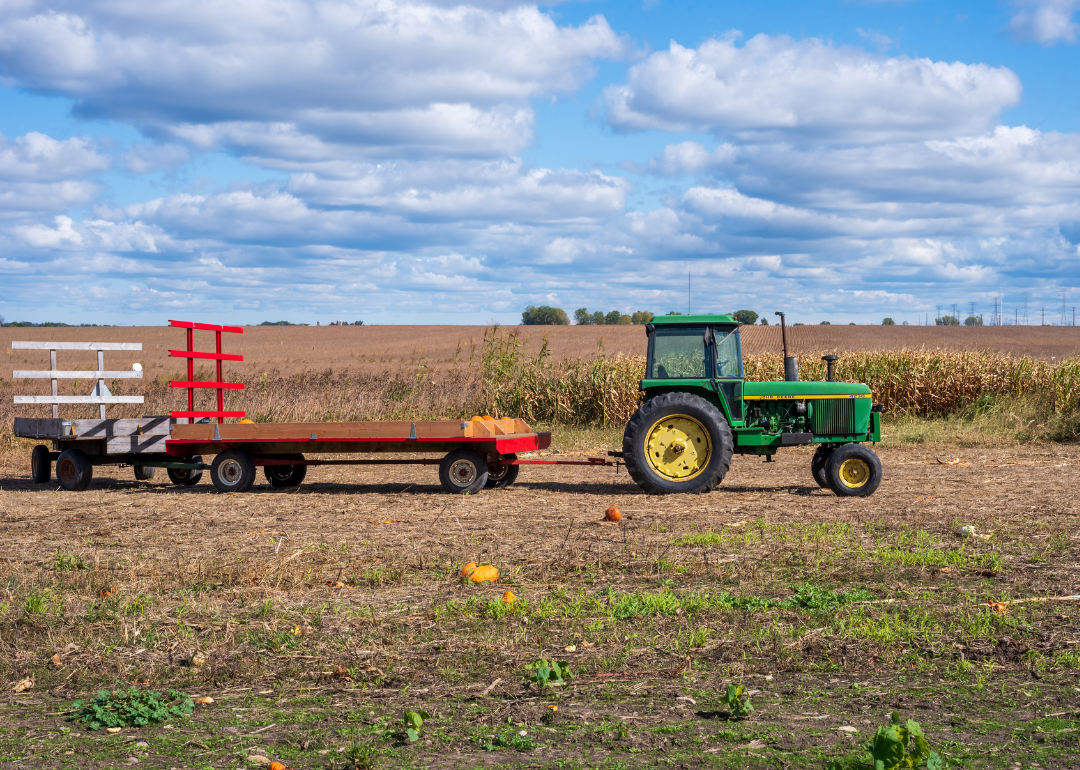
<point>131,708</point>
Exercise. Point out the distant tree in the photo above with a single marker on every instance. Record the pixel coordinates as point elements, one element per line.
<point>764,321</point>
<point>851,324</point>
<point>906,323</point>
<point>277,323</point>
<point>598,318</point>
<point>674,312</point>
<point>947,320</point>
<point>745,316</point>
<point>825,323</point>
<point>641,317</point>
<point>358,323</point>
<point>798,324</point>
<point>582,317</point>
<point>973,320</point>
<point>624,320</point>
<point>888,322</point>
<point>1,320</point>
<point>612,318</point>
<point>545,315</point>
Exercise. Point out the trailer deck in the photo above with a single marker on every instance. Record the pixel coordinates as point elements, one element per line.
<point>478,453</point>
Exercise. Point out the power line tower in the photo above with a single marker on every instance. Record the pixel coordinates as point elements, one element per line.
<point>1064,295</point>
<point>937,317</point>
<point>1024,304</point>
<point>955,312</point>
<point>971,309</point>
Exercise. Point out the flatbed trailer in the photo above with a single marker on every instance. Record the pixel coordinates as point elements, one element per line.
<point>477,453</point>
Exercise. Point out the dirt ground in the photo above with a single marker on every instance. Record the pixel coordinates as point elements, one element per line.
<point>315,617</point>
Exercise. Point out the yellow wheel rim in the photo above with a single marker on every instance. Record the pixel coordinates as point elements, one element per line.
<point>854,473</point>
<point>678,447</point>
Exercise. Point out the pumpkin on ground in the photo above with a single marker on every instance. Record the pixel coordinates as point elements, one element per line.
<point>509,598</point>
<point>613,514</point>
<point>483,574</point>
<point>277,766</point>
<point>468,568</point>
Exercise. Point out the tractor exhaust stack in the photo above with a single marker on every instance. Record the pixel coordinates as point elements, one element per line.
<point>791,363</point>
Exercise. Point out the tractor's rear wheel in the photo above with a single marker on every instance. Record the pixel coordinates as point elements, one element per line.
<point>853,471</point>
<point>677,442</point>
<point>817,465</point>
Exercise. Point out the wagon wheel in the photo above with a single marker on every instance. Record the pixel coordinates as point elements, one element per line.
<point>501,474</point>
<point>40,464</point>
<point>463,471</point>
<point>285,475</point>
<point>185,477</point>
<point>74,470</point>
<point>233,471</point>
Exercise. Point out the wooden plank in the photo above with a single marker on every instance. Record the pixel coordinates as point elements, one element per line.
<point>149,426</point>
<point>48,374</point>
<point>121,445</point>
<point>76,346</point>
<point>302,431</point>
<point>38,427</point>
<point>78,399</point>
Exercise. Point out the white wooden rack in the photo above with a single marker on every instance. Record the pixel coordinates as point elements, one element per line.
<point>101,394</point>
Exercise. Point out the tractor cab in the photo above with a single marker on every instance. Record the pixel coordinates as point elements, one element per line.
<point>698,410</point>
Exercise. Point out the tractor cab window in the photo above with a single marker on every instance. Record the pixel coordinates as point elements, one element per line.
<point>678,353</point>
<point>728,354</point>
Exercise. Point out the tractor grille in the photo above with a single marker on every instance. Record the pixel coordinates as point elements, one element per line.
<point>833,416</point>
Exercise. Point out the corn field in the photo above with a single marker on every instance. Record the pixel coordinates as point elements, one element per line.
<point>505,380</point>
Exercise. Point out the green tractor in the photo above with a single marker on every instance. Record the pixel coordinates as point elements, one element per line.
<point>699,410</point>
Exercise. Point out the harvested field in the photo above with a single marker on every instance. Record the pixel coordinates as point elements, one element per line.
<point>316,616</point>
<point>378,349</point>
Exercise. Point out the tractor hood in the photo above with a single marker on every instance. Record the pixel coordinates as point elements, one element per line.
<point>801,391</point>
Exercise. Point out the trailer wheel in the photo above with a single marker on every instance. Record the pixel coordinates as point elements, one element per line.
<point>817,465</point>
<point>853,471</point>
<point>143,473</point>
<point>74,470</point>
<point>463,472</point>
<point>502,475</point>
<point>40,464</point>
<point>285,475</point>
<point>677,442</point>
<point>233,471</point>
<point>185,477</point>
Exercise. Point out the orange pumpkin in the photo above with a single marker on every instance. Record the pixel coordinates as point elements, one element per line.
<point>468,568</point>
<point>613,514</point>
<point>484,574</point>
<point>277,766</point>
<point>509,598</point>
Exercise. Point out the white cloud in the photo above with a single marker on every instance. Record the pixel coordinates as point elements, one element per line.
<point>369,72</point>
<point>807,88</point>
<point>146,158</point>
<point>1046,21</point>
<point>41,174</point>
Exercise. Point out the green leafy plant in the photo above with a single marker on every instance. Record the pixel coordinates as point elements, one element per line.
<point>737,701</point>
<point>361,756</point>
<point>543,674</point>
<point>414,720</point>
<point>37,603</point>
<point>507,740</point>
<point>131,708</point>
<point>898,745</point>
<point>65,562</point>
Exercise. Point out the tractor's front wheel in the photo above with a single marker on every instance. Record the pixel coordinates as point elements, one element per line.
<point>817,465</point>
<point>677,442</point>
<point>853,471</point>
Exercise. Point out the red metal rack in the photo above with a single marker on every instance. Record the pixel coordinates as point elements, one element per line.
<point>191,383</point>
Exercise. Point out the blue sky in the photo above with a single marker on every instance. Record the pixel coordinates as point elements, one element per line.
<point>430,162</point>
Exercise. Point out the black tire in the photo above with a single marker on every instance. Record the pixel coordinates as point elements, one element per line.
<point>285,475</point>
<point>185,477</point>
<point>463,472</point>
<point>233,471</point>
<point>501,475</point>
<point>853,471</point>
<point>74,470</point>
<point>143,473</point>
<point>710,422</point>
<point>40,464</point>
<point>817,465</point>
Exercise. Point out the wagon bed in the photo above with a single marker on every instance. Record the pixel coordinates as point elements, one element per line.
<point>478,453</point>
